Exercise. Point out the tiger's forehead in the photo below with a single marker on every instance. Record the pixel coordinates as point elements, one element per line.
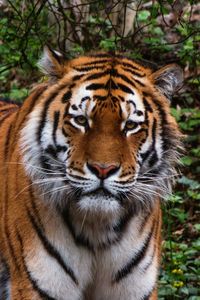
<point>105,81</point>
<point>84,100</point>
<point>101,61</point>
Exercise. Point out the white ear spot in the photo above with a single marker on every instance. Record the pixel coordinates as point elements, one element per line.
<point>168,79</point>
<point>51,63</point>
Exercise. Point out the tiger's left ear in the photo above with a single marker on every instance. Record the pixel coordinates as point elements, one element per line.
<point>168,79</point>
<point>52,63</point>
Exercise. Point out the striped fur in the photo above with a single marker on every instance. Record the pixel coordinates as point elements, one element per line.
<point>84,163</point>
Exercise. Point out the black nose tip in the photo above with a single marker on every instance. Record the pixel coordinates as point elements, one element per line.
<point>102,171</point>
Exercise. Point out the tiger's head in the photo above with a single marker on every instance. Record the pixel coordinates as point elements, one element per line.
<point>100,134</point>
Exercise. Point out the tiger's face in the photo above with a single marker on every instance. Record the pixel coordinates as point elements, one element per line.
<point>101,135</point>
<point>105,134</point>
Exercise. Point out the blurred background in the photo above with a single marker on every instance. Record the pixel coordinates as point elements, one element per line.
<point>158,31</point>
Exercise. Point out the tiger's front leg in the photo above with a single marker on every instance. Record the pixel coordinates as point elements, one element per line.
<point>44,262</point>
<point>36,275</point>
<point>48,269</point>
<point>27,288</point>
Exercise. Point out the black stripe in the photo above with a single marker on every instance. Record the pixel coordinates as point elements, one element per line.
<point>115,74</point>
<point>66,122</point>
<point>146,154</point>
<point>154,133</point>
<point>55,124</point>
<point>78,239</point>
<point>50,249</point>
<point>37,95</point>
<point>32,104</point>
<point>8,101</point>
<point>34,207</point>
<point>44,112</point>
<point>6,229</point>
<point>121,98</point>
<point>87,69</point>
<point>123,222</point>
<point>95,62</point>
<point>133,103</point>
<point>43,116</point>
<point>53,151</point>
<point>78,177</point>
<point>96,86</point>
<point>81,239</point>
<point>127,269</point>
<point>97,75</point>
<point>4,118</point>
<point>134,73</point>
<point>163,119</point>
<point>125,64</point>
<point>6,146</point>
<point>100,98</point>
<point>147,105</point>
<point>111,85</point>
<point>44,161</point>
<point>166,132</point>
<point>77,77</point>
<point>67,96</point>
<point>64,132</point>
<point>42,293</point>
<point>8,109</point>
<point>60,148</point>
<point>151,151</point>
<point>154,157</point>
<point>4,279</point>
<point>125,88</point>
<point>139,82</point>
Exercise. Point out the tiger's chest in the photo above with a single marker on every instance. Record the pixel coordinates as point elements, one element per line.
<point>65,269</point>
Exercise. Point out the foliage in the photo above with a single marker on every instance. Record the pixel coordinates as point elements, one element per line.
<point>180,274</point>
<point>164,32</point>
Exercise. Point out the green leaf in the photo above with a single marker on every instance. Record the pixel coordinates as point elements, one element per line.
<point>187,160</point>
<point>189,182</point>
<point>143,15</point>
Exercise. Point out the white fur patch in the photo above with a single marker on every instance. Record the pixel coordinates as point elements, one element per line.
<point>101,204</point>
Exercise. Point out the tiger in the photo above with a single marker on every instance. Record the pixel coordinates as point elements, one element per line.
<point>85,162</point>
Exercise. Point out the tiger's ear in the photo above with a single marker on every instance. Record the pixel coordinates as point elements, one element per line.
<point>168,79</point>
<point>52,63</point>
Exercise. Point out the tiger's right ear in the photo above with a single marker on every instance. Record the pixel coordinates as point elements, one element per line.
<point>52,63</point>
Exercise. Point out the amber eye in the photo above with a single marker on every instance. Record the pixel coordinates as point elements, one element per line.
<point>130,125</point>
<point>81,120</point>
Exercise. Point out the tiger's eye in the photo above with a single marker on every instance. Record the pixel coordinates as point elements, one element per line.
<point>130,125</point>
<point>81,120</point>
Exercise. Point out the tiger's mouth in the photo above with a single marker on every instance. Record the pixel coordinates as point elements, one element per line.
<point>99,192</point>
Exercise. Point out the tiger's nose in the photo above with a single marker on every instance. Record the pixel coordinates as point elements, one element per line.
<point>102,171</point>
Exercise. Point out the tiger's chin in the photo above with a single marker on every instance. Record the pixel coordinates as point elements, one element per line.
<point>99,202</point>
